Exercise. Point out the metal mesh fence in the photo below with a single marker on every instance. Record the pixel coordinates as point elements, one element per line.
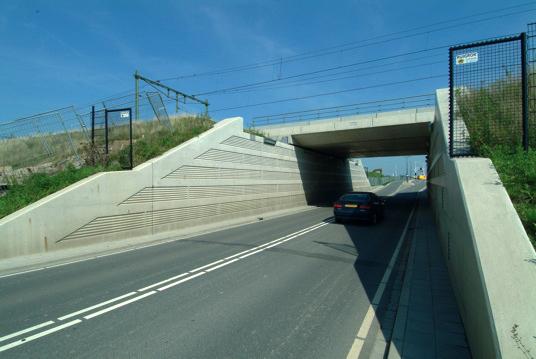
<point>41,143</point>
<point>48,142</point>
<point>159,108</point>
<point>531,74</point>
<point>486,95</point>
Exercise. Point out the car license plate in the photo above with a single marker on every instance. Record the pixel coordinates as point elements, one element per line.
<point>350,205</point>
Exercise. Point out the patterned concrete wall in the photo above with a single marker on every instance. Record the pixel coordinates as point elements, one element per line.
<point>222,174</point>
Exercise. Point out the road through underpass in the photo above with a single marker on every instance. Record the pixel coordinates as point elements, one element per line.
<point>297,286</point>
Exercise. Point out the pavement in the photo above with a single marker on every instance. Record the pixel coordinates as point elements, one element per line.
<point>422,318</point>
<point>295,286</point>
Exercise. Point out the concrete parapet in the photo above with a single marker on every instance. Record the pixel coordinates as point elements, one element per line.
<point>491,261</point>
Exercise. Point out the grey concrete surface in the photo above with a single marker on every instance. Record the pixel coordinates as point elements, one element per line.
<point>488,254</point>
<point>428,323</point>
<point>220,175</point>
<point>392,133</point>
<point>304,298</point>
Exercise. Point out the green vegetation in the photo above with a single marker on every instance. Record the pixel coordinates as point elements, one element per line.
<point>493,117</point>
<point>254,131</point>
<point>150,140</point>
<point>39,185</point>
<point>492,114</point>
<point>517,170</point>
<point>374,174</point>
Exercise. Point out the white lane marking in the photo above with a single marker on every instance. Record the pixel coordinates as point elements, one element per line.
<point>38,335</point>
<point>205,266</point>
<point>157,243</point>
<point>24,331</point>
<point>254,250</point>
<point>275,240</point>
<point>362,333</point>
<point>97,305</point>
<point>163,282</point>
<point>181,281</point>
<point>119,305</point>
<point>252,253</point>
<point>222,265</point>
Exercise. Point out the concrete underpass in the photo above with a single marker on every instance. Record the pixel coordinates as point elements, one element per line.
<point>226,247</point>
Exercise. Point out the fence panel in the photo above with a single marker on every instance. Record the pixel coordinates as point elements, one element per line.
<point>531,73</point>
<point>487,96</point>
<point>41,143</point>
<point>159,108</point>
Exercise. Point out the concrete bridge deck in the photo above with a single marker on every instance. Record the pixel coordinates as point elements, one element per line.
<point>393,133</point>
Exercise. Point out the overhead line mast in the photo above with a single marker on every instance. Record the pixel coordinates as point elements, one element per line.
<point>138,77</point>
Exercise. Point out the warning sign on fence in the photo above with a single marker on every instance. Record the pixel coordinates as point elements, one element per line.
<point>466,58</point>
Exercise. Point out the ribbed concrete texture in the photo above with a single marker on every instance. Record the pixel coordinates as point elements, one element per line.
<point>490,259</point>
<point>222,174</point>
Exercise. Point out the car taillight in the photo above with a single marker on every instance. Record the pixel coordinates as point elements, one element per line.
<point>364,206</point>
<point>337,205</point>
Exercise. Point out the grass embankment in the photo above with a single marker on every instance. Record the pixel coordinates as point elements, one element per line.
<point>517,170</point>
<point>149,140</point>
<point>40,185</point>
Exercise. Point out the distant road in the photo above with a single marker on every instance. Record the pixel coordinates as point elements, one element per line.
<point>297,286</point>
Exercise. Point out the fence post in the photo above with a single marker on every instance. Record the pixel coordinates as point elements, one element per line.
<point>93,126</point>
<point>130,130</point>
<point>137,94</point>
<point>524,92</point>
<point>106,133</point>
<point>451,102</point>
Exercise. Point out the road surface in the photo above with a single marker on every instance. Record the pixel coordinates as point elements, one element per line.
<point>297,286</point>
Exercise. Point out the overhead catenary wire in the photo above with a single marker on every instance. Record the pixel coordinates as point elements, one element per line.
<point>332,93</point>
<point>255,84</point>
<point>341,48</point>
<point>326,70</point>
<point>406,98</point>
<point>280,60</point>
<point>331,80</point>
<point>304,80</point>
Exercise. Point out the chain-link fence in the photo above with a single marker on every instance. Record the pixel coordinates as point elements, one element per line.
<point>487,96</point>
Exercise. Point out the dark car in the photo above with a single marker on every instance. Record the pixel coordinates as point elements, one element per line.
<point>365,206</point>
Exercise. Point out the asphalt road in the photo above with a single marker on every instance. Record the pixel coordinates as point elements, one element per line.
<point>297,286</point>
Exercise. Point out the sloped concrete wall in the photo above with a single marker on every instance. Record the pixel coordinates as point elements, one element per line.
<point>224,173</point>
<point>491,262</point>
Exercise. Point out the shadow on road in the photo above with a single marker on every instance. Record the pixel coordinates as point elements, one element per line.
<point>374,246</point>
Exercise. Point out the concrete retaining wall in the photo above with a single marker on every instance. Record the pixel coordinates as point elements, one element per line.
<point>491,262</point>
<point>224,173</point>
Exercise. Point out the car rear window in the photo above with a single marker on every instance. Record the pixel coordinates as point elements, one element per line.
<point>356,197</point>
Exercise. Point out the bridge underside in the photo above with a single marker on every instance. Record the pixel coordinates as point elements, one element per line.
<point>395,133</point>
<point>402,140</point>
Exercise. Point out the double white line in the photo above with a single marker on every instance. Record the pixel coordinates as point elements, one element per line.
<point>146,291</point>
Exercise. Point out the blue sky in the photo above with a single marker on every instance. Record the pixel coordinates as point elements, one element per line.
<point>60,53</point>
